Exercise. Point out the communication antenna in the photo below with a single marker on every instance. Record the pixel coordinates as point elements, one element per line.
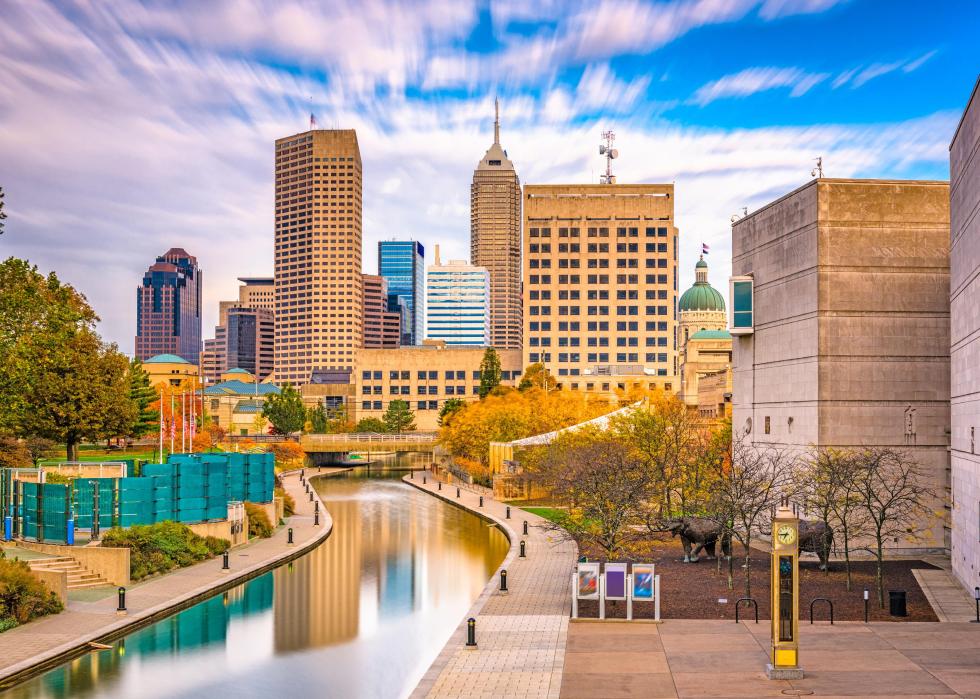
<point>818,170</point>
<point>745,212</point>
<point>611,153</point>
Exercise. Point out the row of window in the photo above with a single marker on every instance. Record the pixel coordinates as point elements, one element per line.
<point>598,341</point>
<point>598,232</point>
<point>420,405</point>
<point>597,247</point>
<point>596,326</point>
<point>449,374</point>
<point>599,279</point>
<point>595,294</point>
<point>420,390</point>
<point>597,310</point>
<point>600,263</point>
<point>598,357</point>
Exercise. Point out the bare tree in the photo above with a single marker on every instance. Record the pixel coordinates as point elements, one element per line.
<point>840,471</point>
<point>888,485</point>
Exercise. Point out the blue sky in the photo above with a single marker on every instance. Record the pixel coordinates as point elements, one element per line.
<point>130,127</point>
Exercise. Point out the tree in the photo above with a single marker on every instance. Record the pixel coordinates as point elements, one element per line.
<point>450,408</point>
<point>40,448</point>
<point>537,376</point>
<point>370,424</point>
<point>285,411</point>
<point>398,417</point>
<point>143,395</point>
<point>489,372</point>
<point>3,215</point>
<point>317,417</point>
<point>14,453</point>
<point>889,487</point>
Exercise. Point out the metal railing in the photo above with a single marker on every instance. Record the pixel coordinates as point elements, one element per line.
<point>374,437</point>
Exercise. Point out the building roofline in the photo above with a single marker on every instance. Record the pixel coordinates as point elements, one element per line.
<point>973,95</point>
<point>264,281</point>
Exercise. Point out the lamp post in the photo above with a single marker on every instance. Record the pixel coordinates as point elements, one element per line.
<point>976,597</point>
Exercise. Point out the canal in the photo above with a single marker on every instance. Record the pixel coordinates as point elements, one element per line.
<point>362,615</point>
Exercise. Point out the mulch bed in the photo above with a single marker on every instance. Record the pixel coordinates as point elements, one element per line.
<point>696,590</point>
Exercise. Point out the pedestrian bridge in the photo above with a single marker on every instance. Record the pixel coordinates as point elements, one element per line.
<point>367,442</point>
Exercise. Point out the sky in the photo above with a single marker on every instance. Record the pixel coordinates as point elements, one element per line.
<point>127,127</point>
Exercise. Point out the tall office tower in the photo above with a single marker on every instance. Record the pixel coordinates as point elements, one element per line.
<point>600,293</point>
<point>257,292</point>
<point>402,264</point>
<point>168,308</point>
<point>458,301</point>
<point>382,328</point>
<point>495,238</point>
<point>249,340</point>
<point>318,295</point>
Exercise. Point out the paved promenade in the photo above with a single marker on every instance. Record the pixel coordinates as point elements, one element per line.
<point>47,640</point>
<point>520,636</point>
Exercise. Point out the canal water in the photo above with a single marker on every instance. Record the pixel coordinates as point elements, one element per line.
<point>363,615</point>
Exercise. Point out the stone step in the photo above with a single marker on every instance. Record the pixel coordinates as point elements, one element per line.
<point>81,586</point>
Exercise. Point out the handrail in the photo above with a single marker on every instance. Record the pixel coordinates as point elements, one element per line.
<point>822,599</point>
<point>372,437</point>
<point>754,604</point>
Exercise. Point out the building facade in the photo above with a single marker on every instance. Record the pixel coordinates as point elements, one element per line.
<point>964,167</point>
<point>318,296</point>
<point>171,371</point>
<point>495,239</point>
<point>382,328</point>
<point>849,340</point>
<point>402,264</point>
<point>705,346</point>
<point>168,308</point>
<point>249,340</point>
<point>600,285</point>
<point>458,303</point>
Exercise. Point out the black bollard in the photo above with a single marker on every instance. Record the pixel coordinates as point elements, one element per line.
<point>865,606</point>
<point>471,633</point>
<point>457,492</point>
<point>311,496</point>
<point>525,527</point>
<point>503,580</point>
<point>411,475</point>
<point>224,561</point>
<point>440,485</point>
<point>424,480</point>
<point>976,596</point>
<point>481,501</point>
<point>316,505</point>
<point>508,512</point>
<point>316,519</point>
<point>523,549</point>
<point>122,600</point>
<point>289,535</point>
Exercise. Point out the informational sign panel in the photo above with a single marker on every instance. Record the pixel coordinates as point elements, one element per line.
<point>643,589</point>
<point>616,581</point>
<point>587,581</point>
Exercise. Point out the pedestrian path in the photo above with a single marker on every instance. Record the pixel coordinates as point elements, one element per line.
<point>948,598</point>
<point>47,641</point>
<point>521,635</point>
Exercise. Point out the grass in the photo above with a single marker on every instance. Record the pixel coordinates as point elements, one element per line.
<point>552,514</point>
<point>100,454</point>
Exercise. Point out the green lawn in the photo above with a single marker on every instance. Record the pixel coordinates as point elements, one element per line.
<point>103,455</point>
<point>552,514</point>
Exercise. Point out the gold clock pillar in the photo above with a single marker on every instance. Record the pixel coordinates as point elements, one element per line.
<point>785,587</point>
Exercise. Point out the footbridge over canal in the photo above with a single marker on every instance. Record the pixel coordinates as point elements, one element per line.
<point>326,449</point>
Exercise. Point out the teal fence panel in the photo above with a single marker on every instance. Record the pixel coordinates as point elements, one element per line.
<point>136,501</point>
<point>28,504</point>
<point>45,512</point>
<point>84,502</point>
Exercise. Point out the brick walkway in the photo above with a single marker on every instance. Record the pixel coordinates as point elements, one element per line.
<point>47,640</point>
<point>521,635</point>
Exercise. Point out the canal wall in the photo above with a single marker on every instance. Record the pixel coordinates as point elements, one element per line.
<point>38,646</point>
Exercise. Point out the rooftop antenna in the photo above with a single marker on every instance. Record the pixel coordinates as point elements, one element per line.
<point>607,150</point>
<point>496,121</point>
<point>737,217</point>
<point>312,117</point>
<point>818,170</point>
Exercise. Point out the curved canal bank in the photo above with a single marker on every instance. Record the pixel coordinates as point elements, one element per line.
<point>363,614</point>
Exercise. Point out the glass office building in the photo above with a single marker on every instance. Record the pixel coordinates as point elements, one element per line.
<point>402,264</point>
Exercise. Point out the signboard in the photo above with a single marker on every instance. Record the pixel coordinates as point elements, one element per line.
<point>643,582</point>
<point>615,581</point>
<point>587,581</point>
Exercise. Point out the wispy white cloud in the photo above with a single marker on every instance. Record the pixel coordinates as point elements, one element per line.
<point>752,80</point>
<point>864,74</point>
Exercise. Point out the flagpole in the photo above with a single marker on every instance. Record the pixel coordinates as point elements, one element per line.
<point>161,424</point>
<point>183,422</point>
<point>173,425</point>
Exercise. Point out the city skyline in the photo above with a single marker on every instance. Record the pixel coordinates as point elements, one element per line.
<point>169,94</point>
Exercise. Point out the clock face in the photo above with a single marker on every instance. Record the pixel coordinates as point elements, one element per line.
<point>786,534</point>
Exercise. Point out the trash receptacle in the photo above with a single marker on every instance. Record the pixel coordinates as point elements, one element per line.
<point>896,603</point>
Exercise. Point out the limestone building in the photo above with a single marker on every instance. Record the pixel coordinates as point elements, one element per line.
<point>318,293</point>
<point>495,239</point>
<point>964,167</point>
<point>382,328</point>
<point>600,285</point>
<point>705,344</point>
<point>244,335</point>
<point>847,339</point>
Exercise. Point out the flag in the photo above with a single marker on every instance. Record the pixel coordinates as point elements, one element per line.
<point>312,122</point>
<point>704,248</point>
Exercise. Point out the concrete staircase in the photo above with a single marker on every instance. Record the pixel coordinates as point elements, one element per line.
<point>78,576</point>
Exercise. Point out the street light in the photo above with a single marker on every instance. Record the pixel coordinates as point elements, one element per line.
<point>976,597</point>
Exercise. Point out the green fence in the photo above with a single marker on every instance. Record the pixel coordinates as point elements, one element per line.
<point>44,510</point>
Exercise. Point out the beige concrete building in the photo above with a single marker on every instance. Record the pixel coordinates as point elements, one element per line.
<point>964,167</point>
<point>318,293</point>
<point>382,328</point>
<point>705,344</point>
<point>849,340</point>
<point>244,335</point>
<point>495,239</point>
<point>715,393</point>
<point>170,370</point>
<point>425,376</point>
<point>235,403</point>
<point>600,285</point>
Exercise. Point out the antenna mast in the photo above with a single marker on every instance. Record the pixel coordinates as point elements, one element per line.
<point>611,153</point>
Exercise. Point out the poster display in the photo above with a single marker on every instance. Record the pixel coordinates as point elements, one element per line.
<point>615,581</point>
<point>587,581</point>
<point>643,577</point>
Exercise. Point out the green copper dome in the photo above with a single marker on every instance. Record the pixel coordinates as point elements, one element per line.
<point>702,296</point>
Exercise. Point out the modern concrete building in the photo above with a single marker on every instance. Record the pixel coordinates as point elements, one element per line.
<point>170,370</point>
<point>402,264</point>
<point>168,308</point>
<point>842,337</point>
<point>705,345</point>
<point>600,285</point>
<point>382,328</point>
<point>964,167</point>
<point>495,238</point>
<point>458,303</point>
<point>425,376</point>
<point>318,295</point>
<point>235,403</point>
<point>257,292</point>
<point>245,334</point>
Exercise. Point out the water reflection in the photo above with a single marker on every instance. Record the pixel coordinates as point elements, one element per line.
<point>361,616</point>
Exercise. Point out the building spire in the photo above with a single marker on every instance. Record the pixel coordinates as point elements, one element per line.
<point>496,121</point>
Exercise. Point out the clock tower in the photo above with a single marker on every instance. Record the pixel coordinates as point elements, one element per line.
<point>785,587</point>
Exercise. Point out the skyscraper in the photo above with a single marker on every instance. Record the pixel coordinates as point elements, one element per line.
<point>402,264</point>
<point>458,300</point>
<point>318,292</point>
<point>168,308</point>
<point>495,239</point>
<point>382,328</point>
<point>243,338</point>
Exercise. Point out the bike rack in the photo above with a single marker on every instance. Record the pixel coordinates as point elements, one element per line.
<point>829,604</point>
<point>755,606</point>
